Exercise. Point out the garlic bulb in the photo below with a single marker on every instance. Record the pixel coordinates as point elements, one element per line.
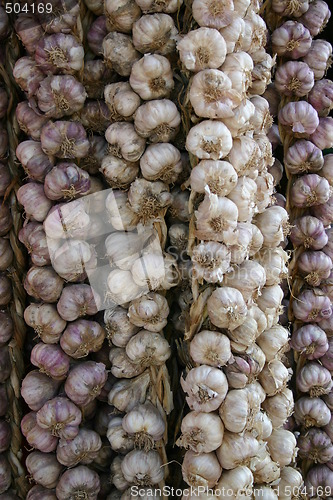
<point>294,78</point>
<point>46,322</point>
<point>201,470</point>
<point>212,95</point>
<point>148,349</point>
<point>279,407</point>
<point>122,366</point>
<point>141,468</point>
<point>216,219</point>
<point>44,468</point>
<point>264,469</point>
<point>237,483</point>
<point>274,377</point>
<point>119,52</point>
<point>61,417</point>
<point>148,199</point>
<point>37,388</point>
<point>119,439</point>
<point>202,48</point>
<point>201,432</point>
<point>121,15</point>
<point>315,379</point>
<point>292,40</point>
<point>273,224</point>
<point>273,342</point>
<point>290,478</point>
<point>210,348</point>
<point>282,446</point>
<point>206,387</point>
<point>157,120</point>
<point>151,77</point>
<point>220,177</point>
<point>149,312</point>
<point>311,412</point>
<point>78,481</point>
<point>249,278</point>
<point>82,337</point>
<point>127,394</point>
<point>82,449</point>
<point>155,33</point>
<point>118,327</point>
<point>121,100</point>
<point>237,449</point>
<point>146,423</point>
<point>122,288</point>
<point>161,161</point>
<point>238,411</point>
<point>124,142</point>
<point>210,260</point>
<point>59,53</point>
<point>227,308</point>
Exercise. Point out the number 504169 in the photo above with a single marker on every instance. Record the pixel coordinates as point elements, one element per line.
<point>33,8</point>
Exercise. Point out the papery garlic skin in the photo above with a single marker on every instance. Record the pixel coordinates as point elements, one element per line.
<point>202,49</point>
<point>201,432</point>
<point>142,469</point>
<point>151,77</point>
<point>210,348</point>
<point>212,95</point>
<point>210,260</point>
<point>237,449</point>
<point>216,219</point>
<point>146,423</point>
<point>119,52</point>
<point>227,308</point>
<point>201,470</point>
<point>219,176</point>
<point>206,387</point>
<point>292,40</point>
<point>157,120</point>
<point>154,33</point>
<point>161,161</point>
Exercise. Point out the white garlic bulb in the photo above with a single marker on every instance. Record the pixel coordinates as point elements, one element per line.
<point>122,288</point>
<point>249,278</point>
<point>227,308</point>
<point>142,468</point>
<point>220,177</point>
<point>124,142</point>
<point>210,261</point>
<point>210,348</point>
<point>212,95</point>
<point>150,312</point>
<point>238,67</point>
<point>154,33</point>
<point>201,432</point>
<point>206,387</point>
<point>148,349</point>
<point>216,219</point>
<point>237,412</point>
<point>236,483</point>
<point>121,100</point>
<point>119,439</point>
<point>146,423</point>
<point>282,446</point>
<point>151,77</point>
<point>201,470</point>
<point>202,48</point>
<point>209,140</point>
<point>157,120</point>
<point>161,161</point>
<point>274,342</point>
<point>237,449</point>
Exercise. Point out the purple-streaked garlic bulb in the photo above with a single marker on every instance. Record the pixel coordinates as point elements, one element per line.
<point>310,340</point>
<point>59,53</point>
<point>51,360</point>
<point>35,162</point>
<point>82,337</point>
<point>43,283</point>
<point>61,417</point>
<point>39,438</point>
<point>37,388</point>
<point>64,139</point>
<point>85,382</point>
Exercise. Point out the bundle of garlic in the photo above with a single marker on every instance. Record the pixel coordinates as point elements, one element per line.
<point>63,148</point>
<point>236,381</point>
<point>12,330</point>
<point>306,130</point>
<point>142,165</point>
